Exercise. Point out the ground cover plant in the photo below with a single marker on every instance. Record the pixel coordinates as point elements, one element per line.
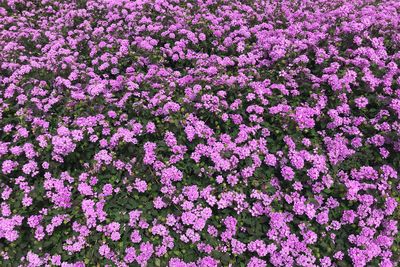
<point>199,133</point>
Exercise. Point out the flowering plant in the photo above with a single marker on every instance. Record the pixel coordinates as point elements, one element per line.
<point>199,133</point>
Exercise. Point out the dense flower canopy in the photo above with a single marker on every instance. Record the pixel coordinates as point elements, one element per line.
<point>199,133</point>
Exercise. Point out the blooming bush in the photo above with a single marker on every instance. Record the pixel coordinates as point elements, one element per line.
<point>199,133</point>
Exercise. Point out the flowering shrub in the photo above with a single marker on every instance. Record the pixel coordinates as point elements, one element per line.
<point>199,133</point>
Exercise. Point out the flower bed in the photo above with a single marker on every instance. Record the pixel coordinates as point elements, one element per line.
<point>199,133</point>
